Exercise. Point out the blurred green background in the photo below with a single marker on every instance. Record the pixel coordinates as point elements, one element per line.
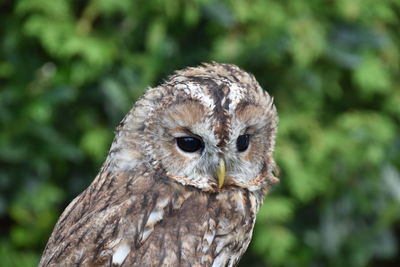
<point>70,70</point>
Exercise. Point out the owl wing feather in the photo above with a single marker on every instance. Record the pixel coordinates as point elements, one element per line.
<point>147,220</point>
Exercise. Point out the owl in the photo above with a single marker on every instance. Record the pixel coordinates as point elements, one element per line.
<point>185,176</point>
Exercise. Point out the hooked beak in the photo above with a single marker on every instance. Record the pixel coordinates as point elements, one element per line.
<point>221,173</point>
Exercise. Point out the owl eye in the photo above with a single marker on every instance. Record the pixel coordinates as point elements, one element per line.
<point>242,143</point>
<point>189,144</point>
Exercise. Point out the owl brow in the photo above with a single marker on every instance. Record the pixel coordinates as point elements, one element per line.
<point>184,130</point>
<point>252,129</point>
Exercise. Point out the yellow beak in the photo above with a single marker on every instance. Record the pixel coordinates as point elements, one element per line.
<point>221,173</point>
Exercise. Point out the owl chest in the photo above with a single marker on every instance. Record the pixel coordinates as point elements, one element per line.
<point>202,232</point>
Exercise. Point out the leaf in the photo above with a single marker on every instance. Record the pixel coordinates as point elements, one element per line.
<point>371,75</point>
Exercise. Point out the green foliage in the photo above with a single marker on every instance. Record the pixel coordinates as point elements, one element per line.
<point>70,70</point>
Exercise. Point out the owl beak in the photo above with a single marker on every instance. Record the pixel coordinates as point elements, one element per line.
<point>221,173</point>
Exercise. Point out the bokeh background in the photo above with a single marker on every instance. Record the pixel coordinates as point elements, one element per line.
<point>70,70</point>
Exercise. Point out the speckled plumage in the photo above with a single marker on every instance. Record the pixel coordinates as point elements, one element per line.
<point>153,204</point>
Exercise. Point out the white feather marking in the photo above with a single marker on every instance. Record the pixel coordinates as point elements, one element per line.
<point>208,237</point>
<point>114,242</point>
<point>197,92</point>
<point>161,204</point>
<point>237,93</point>
<point>220,246</point>
<point>204,259</point>
<point>154,217</point>
<point>254,203</point>
<point>120,253</point>
<point>239,203</point>
<point>146,233</point>
<point>220,260</point>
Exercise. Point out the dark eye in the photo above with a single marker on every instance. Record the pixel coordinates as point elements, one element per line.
<point>189,144</point>
<point>242,142</point>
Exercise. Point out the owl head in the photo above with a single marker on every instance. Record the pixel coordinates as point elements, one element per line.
<point>211,127</point>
